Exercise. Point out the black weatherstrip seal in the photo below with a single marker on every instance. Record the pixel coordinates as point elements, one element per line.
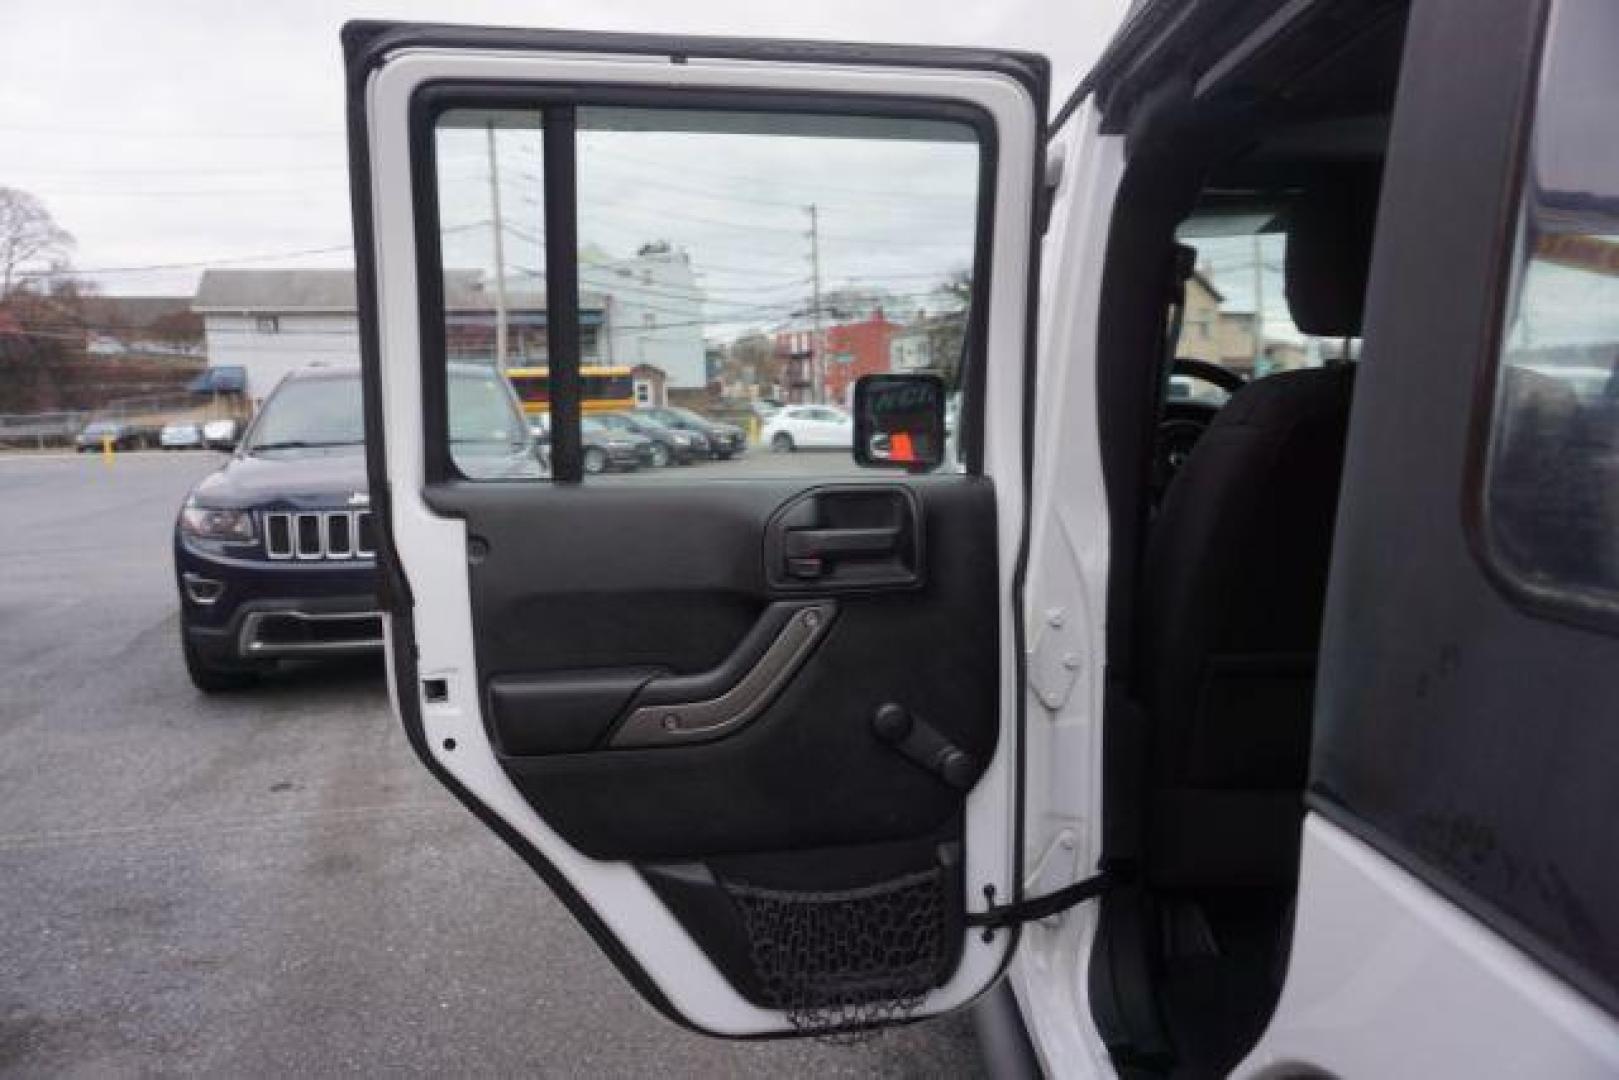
<point>367,45</point>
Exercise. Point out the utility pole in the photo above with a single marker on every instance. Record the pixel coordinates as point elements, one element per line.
<point>500,251</point>
<point>1259,306</point>
<point>817,360</point>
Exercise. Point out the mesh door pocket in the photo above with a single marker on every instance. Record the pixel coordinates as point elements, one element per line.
<point>846,960</point>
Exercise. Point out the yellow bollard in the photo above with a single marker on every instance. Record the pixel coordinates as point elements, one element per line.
<point>753,429</point>
<point>106,449</point>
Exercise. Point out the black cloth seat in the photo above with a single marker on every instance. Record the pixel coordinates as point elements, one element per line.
<point>1235,580</point>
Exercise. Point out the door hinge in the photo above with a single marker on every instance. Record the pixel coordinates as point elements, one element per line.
<point>1035,908</point>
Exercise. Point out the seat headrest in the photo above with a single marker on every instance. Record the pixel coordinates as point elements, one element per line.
<point>1329,255</point>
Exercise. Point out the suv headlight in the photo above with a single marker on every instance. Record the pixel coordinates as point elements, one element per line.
<point>211,524</point>
<point>681,438</point>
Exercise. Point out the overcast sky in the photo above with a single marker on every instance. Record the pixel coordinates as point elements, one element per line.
<point>211,130</point>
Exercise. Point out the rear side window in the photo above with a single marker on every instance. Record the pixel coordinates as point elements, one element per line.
<point>1551,496</point>
<point>726,259</point>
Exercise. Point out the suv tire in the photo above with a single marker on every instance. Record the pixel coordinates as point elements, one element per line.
<point>211,678</point>
<point>782,443</point>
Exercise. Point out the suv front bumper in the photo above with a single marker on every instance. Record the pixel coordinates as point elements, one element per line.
<point>281,629</point>
<point>262,610</point>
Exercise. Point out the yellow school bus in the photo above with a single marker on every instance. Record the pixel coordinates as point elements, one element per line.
<point>602,388</point>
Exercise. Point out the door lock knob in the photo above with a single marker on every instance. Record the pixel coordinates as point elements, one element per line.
<point>891,723</point>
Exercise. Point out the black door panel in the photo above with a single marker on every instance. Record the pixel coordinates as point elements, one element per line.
<point>591,602</point>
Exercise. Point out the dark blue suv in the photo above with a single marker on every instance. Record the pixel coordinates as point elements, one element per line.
<point>274,553</point>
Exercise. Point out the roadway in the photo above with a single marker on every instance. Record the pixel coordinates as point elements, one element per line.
<point>269,883</point>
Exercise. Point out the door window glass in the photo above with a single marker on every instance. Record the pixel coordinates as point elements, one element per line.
<point>1552,482</point>
<point>739,258</point>
<point>492,257</point>
<point>726,260</point>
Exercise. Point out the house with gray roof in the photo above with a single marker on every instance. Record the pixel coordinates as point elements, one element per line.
<point>270,322</point>
<point>644,310</point>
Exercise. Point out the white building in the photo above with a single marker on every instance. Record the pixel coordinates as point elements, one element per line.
<point>643,310</point>
<point>654,313</point>
<point>916,345</point>
<point>911,349</point>
<point>274,321</point>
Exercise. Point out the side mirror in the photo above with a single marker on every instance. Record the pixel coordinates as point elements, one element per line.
<point>899,421</point>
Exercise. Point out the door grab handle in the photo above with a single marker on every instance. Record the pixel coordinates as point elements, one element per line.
<point>700,721</point>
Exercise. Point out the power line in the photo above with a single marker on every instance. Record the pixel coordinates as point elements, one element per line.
<point>63,131</point>
<point>204,264</point>
<point>201,265</point>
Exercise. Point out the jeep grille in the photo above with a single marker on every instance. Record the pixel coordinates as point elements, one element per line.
<point>319,534</point>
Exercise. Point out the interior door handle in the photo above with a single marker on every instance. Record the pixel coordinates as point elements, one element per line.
<point>878,541</point>
<point>846,538</point>
<point>808,550</point>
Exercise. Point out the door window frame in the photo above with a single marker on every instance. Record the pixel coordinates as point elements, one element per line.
<point>557,107</point>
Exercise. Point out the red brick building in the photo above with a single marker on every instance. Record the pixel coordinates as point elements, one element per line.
<point>852,349</point>
<point>855,349</point>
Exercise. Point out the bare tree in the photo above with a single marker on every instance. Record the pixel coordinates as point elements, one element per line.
<point>752,360</point>
<point>28,234</point>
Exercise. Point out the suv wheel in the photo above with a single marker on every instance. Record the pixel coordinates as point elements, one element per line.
<point>595,460</point>
<point>211,678</point>
<point>660,455</point>
<point>782,443</point>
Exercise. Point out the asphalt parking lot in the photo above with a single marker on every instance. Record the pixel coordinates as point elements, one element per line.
<point>269,883</point>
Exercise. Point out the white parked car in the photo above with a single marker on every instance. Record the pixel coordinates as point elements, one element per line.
<point>809,427</point>
<point>221,434</point>
<point>180,435</point>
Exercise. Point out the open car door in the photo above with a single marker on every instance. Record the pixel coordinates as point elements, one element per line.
<point>755,720</point>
